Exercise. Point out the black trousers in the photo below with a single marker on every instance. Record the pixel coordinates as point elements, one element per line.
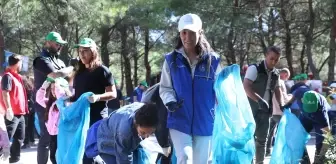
<point>53,148</point>
<point>16,131</point>
<point>30,128</point>
<point>44,141</point>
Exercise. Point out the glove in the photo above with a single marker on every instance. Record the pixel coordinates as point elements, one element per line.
<point>166,151</point>
<point>93,98</point>
<point>4,154</point>
<point>282,108</point>
<point>263,104</point>
<point>46,84</point>
<point>9,114</point>
<point>172,106</point>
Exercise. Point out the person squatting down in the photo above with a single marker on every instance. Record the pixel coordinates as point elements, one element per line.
<point>315,115</point>
<point>119,135</point>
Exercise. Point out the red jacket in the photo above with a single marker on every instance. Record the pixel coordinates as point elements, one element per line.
<point>17,95</point>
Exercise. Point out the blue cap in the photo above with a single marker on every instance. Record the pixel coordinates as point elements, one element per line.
<point>299,92</point>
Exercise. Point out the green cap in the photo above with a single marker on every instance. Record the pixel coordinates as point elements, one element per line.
<point>310,101</point>
<point>86,42</point>
<point>302,76</point>
<point>115,82</point>
<point>144,83</point>
<point>55,37</point>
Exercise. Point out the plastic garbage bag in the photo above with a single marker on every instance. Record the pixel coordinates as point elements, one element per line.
<point>37,124</point>
<point>290,140</point>
<point>140,156</point>
<point>72,129</point>
<point>151,145</point>
<point>234,126</point>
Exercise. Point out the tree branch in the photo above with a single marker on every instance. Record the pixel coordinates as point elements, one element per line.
<point>324,62</point>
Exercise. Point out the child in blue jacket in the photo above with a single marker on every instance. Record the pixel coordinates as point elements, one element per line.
<point>121,133</point>
<point>315,115</point>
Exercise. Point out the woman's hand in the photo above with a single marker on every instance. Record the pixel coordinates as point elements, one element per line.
<point>93,98</point>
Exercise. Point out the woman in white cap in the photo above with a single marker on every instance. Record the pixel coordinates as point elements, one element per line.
<point>186,88</point>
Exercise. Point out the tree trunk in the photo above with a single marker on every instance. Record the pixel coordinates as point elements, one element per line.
<point>63,20</point>
<point>288,37</point>
<point>121,84</point>
<point>77,38</point>
<point>272,30</point>
<point>105,38</point>
<point>146,53</point>
<point>260,28</point>
<point>127,63</point>
<point>309,40</point>
<point>2,47</point>
<point>302,63</point>
<point>332,47</point>
<point>231,40</point>
<point>135,58</point>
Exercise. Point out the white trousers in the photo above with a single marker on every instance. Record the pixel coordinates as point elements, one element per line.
<point>191,149</point>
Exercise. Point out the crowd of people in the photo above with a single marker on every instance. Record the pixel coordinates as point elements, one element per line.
<point>178,108</point>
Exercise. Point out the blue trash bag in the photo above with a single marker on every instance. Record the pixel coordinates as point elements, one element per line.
<point>290,140</point>
<point>234,126</point>
<point>37,124</point>
<point>140,156</point>
<point>73,125</point>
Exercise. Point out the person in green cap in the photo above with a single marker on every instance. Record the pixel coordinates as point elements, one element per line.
<point>297,90</point>
<point>315,115</point>
<point>47,64</point>
<point>137,93</point>
<point>93,76</point>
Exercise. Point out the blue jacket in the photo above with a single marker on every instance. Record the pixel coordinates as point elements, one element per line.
<point>319,118</point>
<point>196,116</point>
<point>138,93</point>
<point>298,90</point>
<point>117,135</point>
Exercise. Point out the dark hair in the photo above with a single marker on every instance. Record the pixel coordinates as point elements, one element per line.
<point>51,100</point>
<point>147,116</point>
<point>28,84</point>
<point>13,59</point>
<point>201,46</point>
<point>274,49</point>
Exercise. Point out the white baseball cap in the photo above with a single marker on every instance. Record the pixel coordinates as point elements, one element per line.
<point>333,85</point>
<point>190,22</point>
